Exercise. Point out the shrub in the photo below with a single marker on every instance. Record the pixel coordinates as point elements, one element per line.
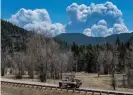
<point>18,76</point>
<point>42,78</point>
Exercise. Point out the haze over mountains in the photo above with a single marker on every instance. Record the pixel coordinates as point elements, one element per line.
<point>82,39</point>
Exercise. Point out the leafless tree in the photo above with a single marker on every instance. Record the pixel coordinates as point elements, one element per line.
<point>115,62</point>
<point>100,58</point>
<point>43,53</point>
<point>130,65</point>
<point>63,62</point>
<point>39,51</point>
<point>104,60</point>
<point>5,61</point>
<point>53,59</point>
<point>70,61</point>
<point>18,63</point>
<point>33,52</point>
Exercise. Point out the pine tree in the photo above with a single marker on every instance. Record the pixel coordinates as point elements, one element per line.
<point>117,41</point>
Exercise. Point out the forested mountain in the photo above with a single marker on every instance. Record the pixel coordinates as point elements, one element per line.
<point>13,38</point>
<point>82,39</point>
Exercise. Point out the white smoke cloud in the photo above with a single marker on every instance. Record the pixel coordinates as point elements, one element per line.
<point>98,20</point>
<point>45,27</point>
<point>102,22</point>
<point>101,30</point>
<point>87,32</point>
<point>119,28</point>
<point>36,20</point>
<point>95,20</point>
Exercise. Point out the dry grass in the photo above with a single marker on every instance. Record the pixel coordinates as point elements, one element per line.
<point>102,82</point>
<point>12,90</point>
<point>92,81</point>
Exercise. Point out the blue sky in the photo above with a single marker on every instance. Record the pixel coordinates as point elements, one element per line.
<point>57,8</point>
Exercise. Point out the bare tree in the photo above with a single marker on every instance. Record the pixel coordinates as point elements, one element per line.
<point>70,61</point>
<point>115,62</point>
<point>63,63</point>
<point>130,64</point>
<point>44,53</point>
<point>18,63</point>
<point>100,58</point>
<point>104,60</point>
<point>33,46</point>
<point>40,56</point>
<point>5,61</point>
<point>53,58</point>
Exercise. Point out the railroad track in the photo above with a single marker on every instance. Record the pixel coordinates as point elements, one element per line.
<point>52,86</point>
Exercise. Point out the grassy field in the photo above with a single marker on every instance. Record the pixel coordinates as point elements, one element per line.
<point>101,82</point>
<point>92,81</point>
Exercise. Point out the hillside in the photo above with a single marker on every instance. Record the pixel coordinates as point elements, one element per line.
<point>13,38</point>
<point>82,39</point>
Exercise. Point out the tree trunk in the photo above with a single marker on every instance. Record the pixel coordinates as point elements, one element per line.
<point>2,71</point>
<point>30,73</point>
<point>61,71</point>
<point>52,71</point>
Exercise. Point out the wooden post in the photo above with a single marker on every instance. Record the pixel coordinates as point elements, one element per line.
<point>24,85</point>
<point>79,90</point>
<point>67,89</point>
<point>36,87</point>
<point>85,92</point>
<point>100,93</point>
<point>19,85</point>
<point>45,87</point>
<point>73,90</point>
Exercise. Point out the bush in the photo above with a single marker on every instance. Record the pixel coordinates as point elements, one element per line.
<point>42,77</point>
<point>18,76</point>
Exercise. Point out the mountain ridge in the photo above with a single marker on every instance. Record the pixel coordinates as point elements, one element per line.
<point>82,39</point>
